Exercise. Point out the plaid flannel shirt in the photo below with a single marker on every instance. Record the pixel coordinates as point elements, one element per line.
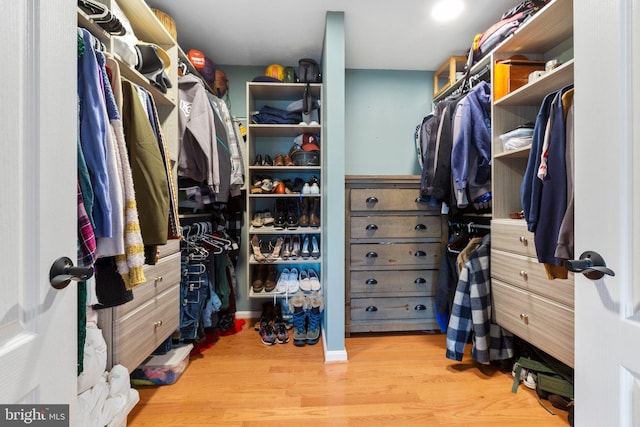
<point>472,307</point>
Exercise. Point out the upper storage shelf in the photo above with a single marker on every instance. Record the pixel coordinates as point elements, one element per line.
<point>543,31</point>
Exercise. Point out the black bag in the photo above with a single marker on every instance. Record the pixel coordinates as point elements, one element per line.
<point>308,71</point>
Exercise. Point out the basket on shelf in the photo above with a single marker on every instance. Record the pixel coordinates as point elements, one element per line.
<point>167,21</point>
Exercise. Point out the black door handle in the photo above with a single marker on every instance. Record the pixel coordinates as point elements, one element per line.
<point>420,281</point>
<point>371,255</point>
<point>371,227</point>
<point>371,282</point>
<point>63,272</point>
<point>591,264</point>
<point>371,308</point>
<point>420,253</point>
<point>372,199</point>
<point>420,227</point>
<point>420,307</point>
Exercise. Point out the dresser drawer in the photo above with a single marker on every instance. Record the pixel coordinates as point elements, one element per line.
<point>170,248</point>
<point>528,274</point>
<point>387,199</point>
<point>399,308</point>
<point>137,334</point>
<point>540,321</point>
<point>388,255</point>
<point>160,277</point>
<point>512,236</point>
<point>395,226</point>
<point>393,282</point>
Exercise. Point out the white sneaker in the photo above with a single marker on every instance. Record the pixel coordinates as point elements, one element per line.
<point>305,283</point>
<point>294,282</point>
<point>314,189</point>
<point>283,282</point>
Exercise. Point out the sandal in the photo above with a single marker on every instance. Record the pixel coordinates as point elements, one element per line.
<point>257,252</point>
<point>275,253</point>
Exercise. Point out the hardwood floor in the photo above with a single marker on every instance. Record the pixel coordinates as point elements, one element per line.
<point>389,380</point>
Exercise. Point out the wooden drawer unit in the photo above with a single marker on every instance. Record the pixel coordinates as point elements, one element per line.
<point>134,330</point>
<point>512,236</point>
<point>375,199</point>
<point>544,323</point>
<point>392,282</point>
<point>395,226</point>
<point>527,303</point>
<point>393,249</point>
<point>392,254</point>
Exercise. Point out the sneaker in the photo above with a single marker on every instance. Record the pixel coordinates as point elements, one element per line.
<point>294,281</point>
<point>279,325</point>
<point>314,315</point>
<point>267,335</point>
<point>283,282</point>
<point>297,303</point>
<point>530,381</point>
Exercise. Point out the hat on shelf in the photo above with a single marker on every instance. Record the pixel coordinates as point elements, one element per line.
<point>307,142</point>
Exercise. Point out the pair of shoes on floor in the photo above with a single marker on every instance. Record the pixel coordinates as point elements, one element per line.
<point>526,377</point>
<point>271,326</point>
<point>307,315</point>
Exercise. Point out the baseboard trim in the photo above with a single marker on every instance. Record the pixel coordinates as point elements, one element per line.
<point>333,356</point>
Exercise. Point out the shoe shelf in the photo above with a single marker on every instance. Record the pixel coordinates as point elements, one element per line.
<point>290,203</point>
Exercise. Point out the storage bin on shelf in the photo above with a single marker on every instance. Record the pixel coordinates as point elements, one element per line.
<point>512,74</point>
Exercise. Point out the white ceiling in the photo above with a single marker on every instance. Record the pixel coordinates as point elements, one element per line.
<point>379,34</point>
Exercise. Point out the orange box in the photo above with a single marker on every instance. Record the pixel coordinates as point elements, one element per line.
<point>510,75</point>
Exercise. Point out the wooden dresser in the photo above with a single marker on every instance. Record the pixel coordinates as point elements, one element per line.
<point>537,309</point>
<point>393,247</point>
<point>134,330</point>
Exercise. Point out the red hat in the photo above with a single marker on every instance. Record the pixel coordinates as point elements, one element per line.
<point>310,142</point>
<point>196,58</point>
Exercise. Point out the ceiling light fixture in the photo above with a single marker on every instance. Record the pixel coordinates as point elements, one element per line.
<point>447,10</point>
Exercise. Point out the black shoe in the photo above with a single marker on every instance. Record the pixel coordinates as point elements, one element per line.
<point>292,216</point>
<point>268,161</point>
<point>279,219</point>
<point>258,161</point>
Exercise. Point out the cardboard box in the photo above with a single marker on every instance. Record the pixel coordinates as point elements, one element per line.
<point>509,75</point>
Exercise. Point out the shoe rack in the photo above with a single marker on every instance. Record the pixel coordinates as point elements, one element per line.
<point>284,232</point>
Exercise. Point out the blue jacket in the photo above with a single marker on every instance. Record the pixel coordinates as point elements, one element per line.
<point>93,133</point>
<point>553,197</point>
<point>473,140</point>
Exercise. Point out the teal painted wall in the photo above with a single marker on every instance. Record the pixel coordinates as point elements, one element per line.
<point>383,109</point>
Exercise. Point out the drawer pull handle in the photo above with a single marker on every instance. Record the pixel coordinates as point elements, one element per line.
<point>524,274</point>
<point>524,318</point>
<point>372,199</point>
<point>420,253</point>
<point>371,308</point>
<point>420,307</point>
<point>524,240</point>
<point>371,282</point>
<point>420,281</point>
<point>157,324</point>
<point>371,255</point>
<point>371,227</point>
<point>420,227</point>
<point>158,279</point>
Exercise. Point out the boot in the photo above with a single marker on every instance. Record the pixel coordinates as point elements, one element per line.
<point>260,275</point>
<point>315,305</point>
<point>270,281</point>
<point>297,303</point>
<point>303,221</point>
<point>314,212</point>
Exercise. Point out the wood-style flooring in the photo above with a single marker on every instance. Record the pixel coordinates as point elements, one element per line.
<point>389,380</point>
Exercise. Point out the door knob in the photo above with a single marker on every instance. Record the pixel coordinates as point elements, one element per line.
<point>591,264</point>
<point>63,272</point>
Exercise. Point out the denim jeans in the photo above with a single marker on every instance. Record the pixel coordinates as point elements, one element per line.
<point>194,292</point>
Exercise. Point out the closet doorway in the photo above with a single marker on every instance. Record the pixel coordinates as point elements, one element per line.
<point>607,211</point>
<point>38,328</point>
